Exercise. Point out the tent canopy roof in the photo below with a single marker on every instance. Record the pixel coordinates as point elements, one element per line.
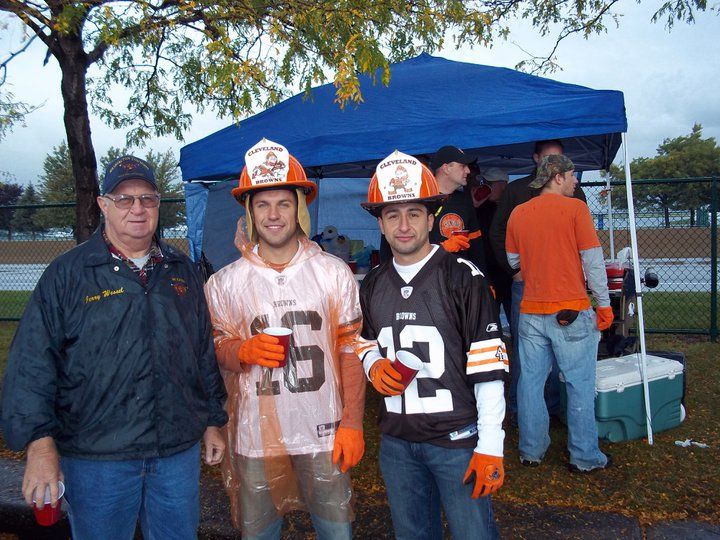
<point>493,113</point>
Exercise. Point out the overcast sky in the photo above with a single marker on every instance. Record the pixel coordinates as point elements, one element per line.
<point>670,80</point>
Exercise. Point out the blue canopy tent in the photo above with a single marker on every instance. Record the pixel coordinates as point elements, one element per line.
<point>495,114</point>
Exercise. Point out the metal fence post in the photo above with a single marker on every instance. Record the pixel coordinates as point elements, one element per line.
<point>713,259</point>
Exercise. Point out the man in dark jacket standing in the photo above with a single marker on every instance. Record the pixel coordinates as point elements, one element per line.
<point>450,165</point>
<point>517,193</point>
<point>112,380</point>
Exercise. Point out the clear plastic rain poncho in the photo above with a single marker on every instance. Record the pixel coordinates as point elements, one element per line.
<point>283,421</point>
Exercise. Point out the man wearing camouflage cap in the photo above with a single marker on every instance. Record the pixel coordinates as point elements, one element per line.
<point>553,238</point>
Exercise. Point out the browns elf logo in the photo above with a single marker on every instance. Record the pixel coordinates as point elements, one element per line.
<point>450,222</point>
<point>400,181</point>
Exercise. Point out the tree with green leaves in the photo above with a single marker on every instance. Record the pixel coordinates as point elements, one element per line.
<point>236,56</point>
<point>686,156</point>
<point>9,195</point>
<point>24,219</point>
<point>57,185</point>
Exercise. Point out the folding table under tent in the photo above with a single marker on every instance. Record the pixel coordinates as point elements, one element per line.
<point>494,114</point>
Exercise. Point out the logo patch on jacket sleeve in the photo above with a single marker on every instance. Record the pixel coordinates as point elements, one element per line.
<point>450,222</point>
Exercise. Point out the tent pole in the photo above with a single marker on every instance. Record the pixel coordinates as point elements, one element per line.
<point>636,271</point>
<point>316,211</point>
<point>611,225</point>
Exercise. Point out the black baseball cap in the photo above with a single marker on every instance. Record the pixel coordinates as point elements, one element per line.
<point>127,168</point>
<point>448,154</point>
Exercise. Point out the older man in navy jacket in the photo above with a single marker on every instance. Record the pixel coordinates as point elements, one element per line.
<point>112,380</point>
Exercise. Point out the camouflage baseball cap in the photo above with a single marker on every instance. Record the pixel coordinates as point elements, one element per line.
<point>548,167</point>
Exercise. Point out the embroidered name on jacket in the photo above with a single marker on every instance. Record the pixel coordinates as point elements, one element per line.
<point>104,294</point>
<point>405,316</point>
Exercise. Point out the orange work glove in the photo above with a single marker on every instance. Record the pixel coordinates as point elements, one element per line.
<point>605,317</point>
<point>385,378</point>
<point>456,243</point>
<point>349,444</point>
<point>263,350</point>
<point>489,474</point>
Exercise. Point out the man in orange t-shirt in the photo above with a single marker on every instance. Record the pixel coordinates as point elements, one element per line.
<point>552,237</point>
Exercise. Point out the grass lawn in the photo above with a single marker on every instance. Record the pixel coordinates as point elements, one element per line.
<point>12,303</point>
<point>663,310</point>
<point>651,483</point>
<point>677,310</point>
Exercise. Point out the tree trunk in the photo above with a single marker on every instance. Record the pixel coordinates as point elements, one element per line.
<point>73,64</point>
<point>666,211</point>
<point>692,217</point>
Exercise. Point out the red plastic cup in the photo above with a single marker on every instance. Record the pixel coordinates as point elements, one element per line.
<point>480,193</point>
<point>353,266</point>
<point>283,334</point>
<point>461,232</point>
<point>47,515</point>
<point>407,364</point>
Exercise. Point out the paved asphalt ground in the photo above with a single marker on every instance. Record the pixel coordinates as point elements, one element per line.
<point>521,522</point>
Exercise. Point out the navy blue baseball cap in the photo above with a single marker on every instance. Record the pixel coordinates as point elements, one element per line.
<point>127,168</point>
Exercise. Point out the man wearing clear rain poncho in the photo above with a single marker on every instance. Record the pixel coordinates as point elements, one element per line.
<point>294,431</point>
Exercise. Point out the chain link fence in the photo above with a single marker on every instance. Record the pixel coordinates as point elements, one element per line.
<point>32,235</point>
<point>680,246</point>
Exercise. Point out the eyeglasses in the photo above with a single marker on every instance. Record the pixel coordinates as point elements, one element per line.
<point>124,202</point>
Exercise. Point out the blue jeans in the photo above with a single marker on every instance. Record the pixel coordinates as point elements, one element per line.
<point>574,348</point>
<point>326,492</point>
<point>419,477</point>
<point>552,391</point>
<point>105,498</point>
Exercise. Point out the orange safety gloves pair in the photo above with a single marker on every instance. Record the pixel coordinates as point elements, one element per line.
<point>456,243</point>
<point>261,349</point>
<point>605,317</point>
<point>489,474</point>
<point>386,378</point>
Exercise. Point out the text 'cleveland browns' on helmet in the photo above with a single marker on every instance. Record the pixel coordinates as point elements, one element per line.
<point>269,165</point>
<point>400,178</point>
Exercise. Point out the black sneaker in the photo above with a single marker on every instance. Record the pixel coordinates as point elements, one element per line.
<point>529,462</point>
<point>575,469</point>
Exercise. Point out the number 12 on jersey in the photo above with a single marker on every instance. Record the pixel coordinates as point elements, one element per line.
<point>414,404</point>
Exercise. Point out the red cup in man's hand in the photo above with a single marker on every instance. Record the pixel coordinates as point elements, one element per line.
<point>407,365</point>
<point>283,334</point>
<point>47,515</point>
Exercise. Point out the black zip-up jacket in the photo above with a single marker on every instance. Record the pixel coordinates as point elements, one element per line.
<point>111,368</point>
<point>516,193</point>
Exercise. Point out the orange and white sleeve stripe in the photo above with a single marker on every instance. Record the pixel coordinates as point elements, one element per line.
<point>487,355</point>
<point>369,352</point>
